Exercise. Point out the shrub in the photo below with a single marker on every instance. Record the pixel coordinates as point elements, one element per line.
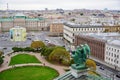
<point>16,49</point>
<point>29,49</point>
<point>1,60</point>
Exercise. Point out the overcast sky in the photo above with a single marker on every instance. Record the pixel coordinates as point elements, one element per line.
<point>64,4</point>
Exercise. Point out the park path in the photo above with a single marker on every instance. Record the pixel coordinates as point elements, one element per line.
<point>7,58</point>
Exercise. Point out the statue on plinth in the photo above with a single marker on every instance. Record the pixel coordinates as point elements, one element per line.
<point>80,56</point>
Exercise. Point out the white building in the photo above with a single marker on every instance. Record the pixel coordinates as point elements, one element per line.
<point>112,53</point>
<point>70,29</point>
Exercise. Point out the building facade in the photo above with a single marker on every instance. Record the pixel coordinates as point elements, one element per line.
<point>112,28</point>
<point>97,46</point>
<point>112,53</point>
<point>18,34</point>
<point>56,29</point>
<point>70,30</point>
<point>31,24</point>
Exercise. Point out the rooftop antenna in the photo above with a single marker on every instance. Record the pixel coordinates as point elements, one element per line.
<point>7,7</point>
<point>7,10</point>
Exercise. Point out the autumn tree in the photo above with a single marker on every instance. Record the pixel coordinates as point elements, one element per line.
<point>1,53</point>
<point>60,55</point>
<point>91,64</point>
<point>37,45</point>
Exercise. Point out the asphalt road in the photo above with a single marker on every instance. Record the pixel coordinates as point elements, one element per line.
<point>107,72</point>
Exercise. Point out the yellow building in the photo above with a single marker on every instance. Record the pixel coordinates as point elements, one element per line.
<point>18,34</point>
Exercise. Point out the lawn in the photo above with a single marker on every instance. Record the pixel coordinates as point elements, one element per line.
<point>23,59</point>
<point>29,73</point>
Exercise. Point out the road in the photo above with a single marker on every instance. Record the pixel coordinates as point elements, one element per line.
<point>107,72</point>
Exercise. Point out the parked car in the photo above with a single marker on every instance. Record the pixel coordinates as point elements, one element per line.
<point>118,75</point>
<point>4,48</point>
<point>29,38</point>
<point>97,64</point>
<point>101,67</point>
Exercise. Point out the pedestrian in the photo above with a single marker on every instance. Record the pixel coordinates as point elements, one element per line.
<point>43,64</point>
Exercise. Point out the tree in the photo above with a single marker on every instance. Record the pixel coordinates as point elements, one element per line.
<point>37,45</point>
<point>72,19</point>
<point>60,55</point>
<point>91,64</point>
<point>1,53</point>
<point>1,57</point>
<point>81,14</point>
<point>69,13</point>
<point>45,51</point>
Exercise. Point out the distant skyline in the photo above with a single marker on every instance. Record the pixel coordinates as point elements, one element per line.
<point>64,4</point>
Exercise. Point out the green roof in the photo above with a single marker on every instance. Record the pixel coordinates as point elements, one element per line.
<point>6,19</point>
<point>34,19</point>
<point>19,16</point>
<point>27,19</point>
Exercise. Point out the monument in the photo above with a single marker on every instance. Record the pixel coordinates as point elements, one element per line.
<point>83,67</point>
<point>80,55</point>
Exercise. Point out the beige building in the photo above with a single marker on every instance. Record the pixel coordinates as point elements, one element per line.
<point>56,29</point>
<point>31,24</point>
<point>112,28</point>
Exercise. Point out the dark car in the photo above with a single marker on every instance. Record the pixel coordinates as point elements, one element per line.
<point>118,75</point>
<point>29,38</point>
<point>4,48</point>
<point>97,64</point>
<point>101,67</point>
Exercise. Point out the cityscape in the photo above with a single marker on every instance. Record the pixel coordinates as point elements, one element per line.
<point>64,40</point>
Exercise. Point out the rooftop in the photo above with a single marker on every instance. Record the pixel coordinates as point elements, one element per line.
<point>27,19</point>
<point>114,42</point>
<point>73,25</point>
<point>103,36</point>
<point>19,14</point>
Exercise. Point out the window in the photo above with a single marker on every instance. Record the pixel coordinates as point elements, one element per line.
<point>73,34</point>
<point>117,50</point>
<point>117,56</point>
<point>114,55</point>
<point>106,57</point>
<point>117,62</point>
<point>111,59</point>
<point>73,40</point>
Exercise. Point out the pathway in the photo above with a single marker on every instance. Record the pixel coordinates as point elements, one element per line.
<point>7,58</point>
